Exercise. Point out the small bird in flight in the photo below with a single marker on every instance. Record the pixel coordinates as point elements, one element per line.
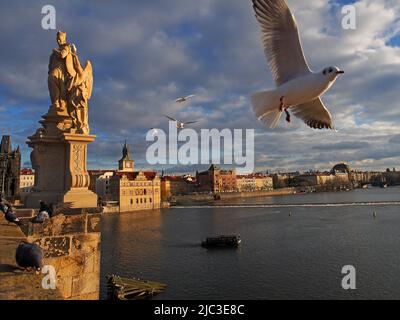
<point>179,124</point>
<point>184,99</point>
<point>154,131</point>
<point>298,88</point>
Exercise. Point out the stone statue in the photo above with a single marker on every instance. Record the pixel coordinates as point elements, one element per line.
<point>70,85</point>
<point>59,154</point>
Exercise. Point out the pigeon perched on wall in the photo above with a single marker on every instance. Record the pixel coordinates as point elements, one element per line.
<point>56,209</point>
<point>29,256</point>
<point>46,208</point>
<point>11,217</point>
<point>41,217</point>
<point>298,88</point>
<point>3,205</point>
<point>47,212</point>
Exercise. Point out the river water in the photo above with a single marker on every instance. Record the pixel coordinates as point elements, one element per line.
<point>293,247</point>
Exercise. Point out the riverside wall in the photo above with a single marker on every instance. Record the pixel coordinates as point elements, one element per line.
<point>71,244</point>
<point>209,197</point>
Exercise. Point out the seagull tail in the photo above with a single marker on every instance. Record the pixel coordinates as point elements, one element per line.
<point>266,108</point>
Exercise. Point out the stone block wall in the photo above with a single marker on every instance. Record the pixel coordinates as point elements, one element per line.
<point>71,244</point>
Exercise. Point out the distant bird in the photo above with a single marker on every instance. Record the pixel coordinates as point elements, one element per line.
<point>29,256</point>
<point>374,214</point>
<point>179,124</point>
<point>11,217</point>
<point>290,213</point>
<point>298,88</point>
<point>184,99</point>
<point>154,131</point>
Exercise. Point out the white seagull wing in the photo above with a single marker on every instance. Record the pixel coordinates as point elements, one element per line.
<point>190,96</point>
<point>314,114</point>
<point>281,40</point>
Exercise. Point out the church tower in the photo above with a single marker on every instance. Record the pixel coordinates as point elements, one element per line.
<point>10,167</point>
<point>126,164</point>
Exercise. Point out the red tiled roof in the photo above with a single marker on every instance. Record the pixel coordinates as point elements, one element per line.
<point>27,171</point>
<point>253,175</point>
<point>173,178</point>
<point>150,175</point>
<point>99,171</point>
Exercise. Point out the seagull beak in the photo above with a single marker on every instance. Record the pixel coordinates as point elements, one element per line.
<point>340,72</point>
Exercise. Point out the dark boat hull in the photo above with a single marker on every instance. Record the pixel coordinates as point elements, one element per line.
<point>222,242</point>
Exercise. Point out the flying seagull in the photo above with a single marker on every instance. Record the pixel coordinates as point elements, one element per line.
<point>179,124</point>
<point>298,88</point>
<point>29,256</point>
<point>154,131</point>
<point>184,99</point>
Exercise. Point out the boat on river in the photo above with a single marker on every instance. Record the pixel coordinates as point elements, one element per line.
<point>222,242</point>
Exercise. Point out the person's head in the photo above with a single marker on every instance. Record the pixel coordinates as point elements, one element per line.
<point>61,38</point>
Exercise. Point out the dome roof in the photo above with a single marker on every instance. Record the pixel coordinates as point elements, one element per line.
<point>341,167</point>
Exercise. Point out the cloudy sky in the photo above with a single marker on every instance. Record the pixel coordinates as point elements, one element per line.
<point>147,53</point>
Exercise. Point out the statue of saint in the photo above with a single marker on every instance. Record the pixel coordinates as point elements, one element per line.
<point>70,85</point>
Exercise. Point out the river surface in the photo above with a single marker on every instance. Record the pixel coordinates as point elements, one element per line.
<point>294,247</point>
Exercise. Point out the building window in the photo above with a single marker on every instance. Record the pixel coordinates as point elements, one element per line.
<point>145,200</point>
<point>141,200</point>
<point>150,200</point>
<point>137,201</point>
<point>145,191</point>
<point>131,201</point>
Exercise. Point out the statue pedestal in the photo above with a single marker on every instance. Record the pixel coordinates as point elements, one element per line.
<point>59,161</point>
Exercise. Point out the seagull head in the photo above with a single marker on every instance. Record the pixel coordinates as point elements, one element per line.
<point>332,72</point>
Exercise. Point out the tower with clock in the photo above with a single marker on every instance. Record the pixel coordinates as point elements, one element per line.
<point>126,164</point>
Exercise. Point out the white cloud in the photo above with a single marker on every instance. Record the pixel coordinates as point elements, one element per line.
<point>146,53</point>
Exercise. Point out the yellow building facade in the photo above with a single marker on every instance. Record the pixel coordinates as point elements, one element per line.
<point>26,182</point>
<point>254,182</point>
<point>135,190</point>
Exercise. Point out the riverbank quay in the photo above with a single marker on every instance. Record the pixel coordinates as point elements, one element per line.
<point>71,245</point>
<point>208,198</point>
